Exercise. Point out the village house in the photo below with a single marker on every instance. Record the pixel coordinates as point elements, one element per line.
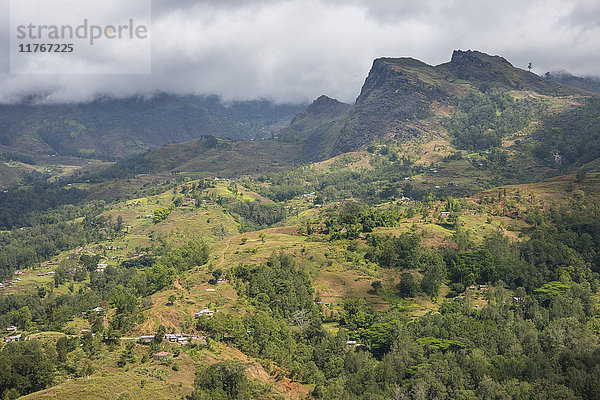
<point>171,337</point>
<point>204,313</point>
<point>101,267</point>
<point>146,339</point>
<point>162,356</point>
<point>15,338</point>
<point>183,340</point>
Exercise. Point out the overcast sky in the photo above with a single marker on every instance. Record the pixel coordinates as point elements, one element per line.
<point>296,50</point>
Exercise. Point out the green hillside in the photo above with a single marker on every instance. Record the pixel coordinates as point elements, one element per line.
<point>438,239</point>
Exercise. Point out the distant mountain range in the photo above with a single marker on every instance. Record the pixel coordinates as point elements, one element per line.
<point>115,128</point>
<point>536,126</point>
<point>588,82</point>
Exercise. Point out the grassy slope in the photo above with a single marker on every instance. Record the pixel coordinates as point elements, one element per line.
<point>154,380</point>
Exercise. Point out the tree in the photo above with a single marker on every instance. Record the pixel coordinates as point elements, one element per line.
<point>160,334</point>
<point>62,349</point>
<point>217,273</point>
<point>408,285</point>
<point>119,225</point>
<point>24,318</point>
<point>98,325</point>
<point>376,285</point>
<point>41,291</point>
<point>172,299</point>
<point>222,381</point>
<point>89,262</point>
<point>433,277</point>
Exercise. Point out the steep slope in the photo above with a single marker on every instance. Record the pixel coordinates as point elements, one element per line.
<point>319,127</point>
<point>403,99</point>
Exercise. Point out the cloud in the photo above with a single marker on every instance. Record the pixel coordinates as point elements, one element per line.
<point>295,50</point>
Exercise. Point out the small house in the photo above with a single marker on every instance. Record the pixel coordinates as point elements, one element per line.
<point>11,328</point>
<point>146,339</point>
<point>353,343</point>
<point>171,337</point>
<point>162,356</point>
<point>205,313</point>
<point>16,338</point>
<point>445,213</point>
<point>101,267</point>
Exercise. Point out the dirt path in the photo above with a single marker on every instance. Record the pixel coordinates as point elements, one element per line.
<point>222,260</point>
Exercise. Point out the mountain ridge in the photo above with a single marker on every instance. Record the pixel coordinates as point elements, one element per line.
<point>114,128</point>
<point>399,93</point>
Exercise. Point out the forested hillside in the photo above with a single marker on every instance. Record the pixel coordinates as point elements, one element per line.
<point>454,253</point>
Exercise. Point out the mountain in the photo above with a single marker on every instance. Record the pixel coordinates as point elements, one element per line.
<point>588,82</point>
<point>115,128</point>
<point>318,126</point>
<point>404,99</point>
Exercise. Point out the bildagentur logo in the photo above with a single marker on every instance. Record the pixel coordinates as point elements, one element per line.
<point>77,37</point>
<point>85,30</point>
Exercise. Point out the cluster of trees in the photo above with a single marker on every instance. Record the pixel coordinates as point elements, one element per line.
<point>256,215</point>
<point>482,120</point>
<point>382,183</point>
<point>39,202</point>
<point>30,366</point>
<point>352,218</point>
<point>24,368</point>
<point>537,337</point>
<point>279,285</point>
<point>162,213</point>
<point>541,344</point>
<point>27,247</point>
<point>574,135</point>
<point>226,380</point>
